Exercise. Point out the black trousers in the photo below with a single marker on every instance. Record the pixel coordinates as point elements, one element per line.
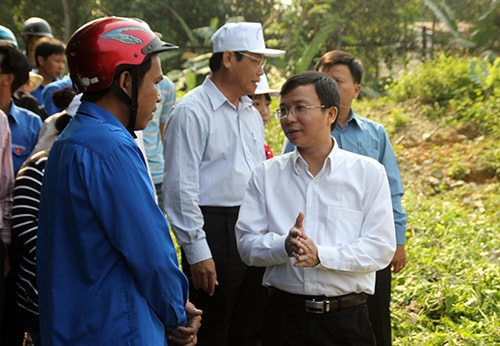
<point>219,311</point>
<point>11,329</point>
<point>159,196</point>
<point>249,318</point>
<point>289,326</point>
<point>379,307</point>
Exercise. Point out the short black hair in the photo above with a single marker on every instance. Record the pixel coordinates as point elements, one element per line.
<point>15,62</point>
<point>62,121</point>
<point>340,57</point>
<point>215,61</point>
<point>47,46</point>
<point>266,96</point>
<point>326,88</point>
<point>63,97</point>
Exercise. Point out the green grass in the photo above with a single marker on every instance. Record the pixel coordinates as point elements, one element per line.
<point>449,292</point>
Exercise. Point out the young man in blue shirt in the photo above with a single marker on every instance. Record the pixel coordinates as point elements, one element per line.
<point>24,124</point>
<point>107,268</point>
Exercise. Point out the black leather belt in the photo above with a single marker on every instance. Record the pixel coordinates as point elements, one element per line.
<point>318,304</point>
<point>220,210</point>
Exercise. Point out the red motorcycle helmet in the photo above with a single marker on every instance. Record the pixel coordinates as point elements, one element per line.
<point>97,50</point>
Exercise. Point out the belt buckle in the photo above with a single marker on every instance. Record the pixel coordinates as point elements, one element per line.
<point>317,306</point>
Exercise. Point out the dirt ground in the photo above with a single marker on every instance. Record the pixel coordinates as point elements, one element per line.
<point>433,156</point>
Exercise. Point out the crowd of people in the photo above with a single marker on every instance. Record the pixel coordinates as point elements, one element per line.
<point>99,162</point>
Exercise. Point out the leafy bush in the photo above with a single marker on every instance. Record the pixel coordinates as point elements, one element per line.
<point>490,159</point>
<point>436,81</point>
<point>485,74</point>
<point>481,112</point>
<point>455,90</point>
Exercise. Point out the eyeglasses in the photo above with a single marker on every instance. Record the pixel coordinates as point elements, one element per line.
<point>260,61</point>
<point>297,110</point>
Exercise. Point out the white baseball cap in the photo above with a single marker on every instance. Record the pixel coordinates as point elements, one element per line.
<point>243,36</point>
<point>263,88</point>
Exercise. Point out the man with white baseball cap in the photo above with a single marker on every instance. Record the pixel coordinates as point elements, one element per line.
<point>213,141</point>
<point>243,37</point>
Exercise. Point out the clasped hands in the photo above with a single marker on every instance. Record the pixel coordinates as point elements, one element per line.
<point>300,246</point>
<point>186,336</point>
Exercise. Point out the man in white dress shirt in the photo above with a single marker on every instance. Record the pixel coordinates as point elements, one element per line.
<point>214,138</point>
<point>320,220</point>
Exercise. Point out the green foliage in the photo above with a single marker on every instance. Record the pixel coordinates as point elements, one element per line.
<point>436,81</point>
<point>459,171</point>
<point>482,14</point>
<point>375,31</point>
<point>486,23</point>
<point>482,112</point>
<point>273,133</point>
<point>490,160</point>
<point>446,15</point>
<point>449,291</point>
<point>456,91</point>
<point>485,74</point>
<point>395,120</point>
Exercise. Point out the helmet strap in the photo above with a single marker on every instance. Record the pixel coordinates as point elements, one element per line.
<point>131,102</point>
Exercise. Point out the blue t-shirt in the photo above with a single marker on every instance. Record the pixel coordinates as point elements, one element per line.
<point>152,135</point>
<point>106,265</point>
<point>37,93</point>
<point>24,127</point>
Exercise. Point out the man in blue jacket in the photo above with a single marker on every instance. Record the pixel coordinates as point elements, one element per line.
<point>107,268</point>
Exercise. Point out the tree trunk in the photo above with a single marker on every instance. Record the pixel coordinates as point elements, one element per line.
<point>67,20</point>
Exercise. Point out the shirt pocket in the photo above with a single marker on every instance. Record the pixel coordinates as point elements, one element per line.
<point>344,225</point>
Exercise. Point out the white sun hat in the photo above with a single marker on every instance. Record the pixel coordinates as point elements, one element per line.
<point>263,88</point>
<point>243,36</point>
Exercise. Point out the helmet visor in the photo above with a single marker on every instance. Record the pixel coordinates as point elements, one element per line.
<point>156,46</point>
